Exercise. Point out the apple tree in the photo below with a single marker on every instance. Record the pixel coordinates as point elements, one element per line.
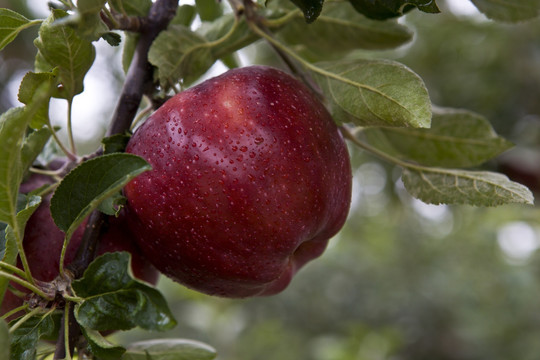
<point>92,242</point>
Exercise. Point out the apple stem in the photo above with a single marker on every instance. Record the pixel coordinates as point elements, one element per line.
<point>25,283</point>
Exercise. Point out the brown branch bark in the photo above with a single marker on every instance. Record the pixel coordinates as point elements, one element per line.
<point>138,81</point>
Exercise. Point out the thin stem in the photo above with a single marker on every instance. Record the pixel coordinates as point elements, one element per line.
<point>64,149</point>
<point>63,256</point>
<point>14,311</point>
<point>13,269</point>
<point>70,127</point>
<point>66,331</point>
<point>24,319</point>
<point>147,110</point>
<point>348,134</point>
<point>22,256</point>
<point>111,17</point>
<point>274,23</point>
<point>176,89</point>
<point>74,299</point>
<point>226,36</point>
<point>45,190</point>
<point>30,24</point>
<point>51,173</point>
<point>26,284</point>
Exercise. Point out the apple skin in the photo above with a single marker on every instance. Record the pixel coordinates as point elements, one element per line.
<point>43,244</point>
<point>250,180</point>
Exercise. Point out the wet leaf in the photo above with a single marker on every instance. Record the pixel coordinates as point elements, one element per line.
<point>86,186</point>
<point>457,138</point>
<point>479,188</point>
<point>115,300</point>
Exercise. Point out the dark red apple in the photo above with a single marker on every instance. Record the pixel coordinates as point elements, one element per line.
<point>43,244</point>
<point>250,179</point>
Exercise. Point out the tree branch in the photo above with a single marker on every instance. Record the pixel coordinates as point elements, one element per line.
<point>138,81</point>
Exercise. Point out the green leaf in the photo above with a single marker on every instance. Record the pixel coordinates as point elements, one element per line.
<point>114,300</point>
<point>310,8</point>
<point>340,30</point>
<point>169,349</point>
<point>100,347</point>
<point>115,143</point>
<point>480,188</point>
<point>180,53</point>
<point>4,339</point>
<point>90,27</point>
<point>374,92</point>
<point>31,83</point>
<point>32,146</point>
<point>12,129</point>
<point>130,43</point>
<point>41,65</point>
<point>225,43</point>
<point>90,6</point>
<point>185,14</point>
<point>31,204</point>
<point>13,234</point>
<point>25,338</point>
<point>510,11</point>
<point>385,9</point>
<point>113,205</point>
<point>208,10</point>
<point>36,90</point>
<point>88,22</point>
<point>132,7</point>
<point>3,240</point>
<point>11,24</point>
<point>112,38</point>
<point>61,47</point>
<point>107,273</point>
<point>86,186</point>
<point>457,138</point>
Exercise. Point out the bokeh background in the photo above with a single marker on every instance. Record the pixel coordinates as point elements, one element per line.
<point>403,280</point>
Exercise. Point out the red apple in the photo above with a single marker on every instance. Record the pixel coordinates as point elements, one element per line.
<point>43,244</point>
<point>250,179</point>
